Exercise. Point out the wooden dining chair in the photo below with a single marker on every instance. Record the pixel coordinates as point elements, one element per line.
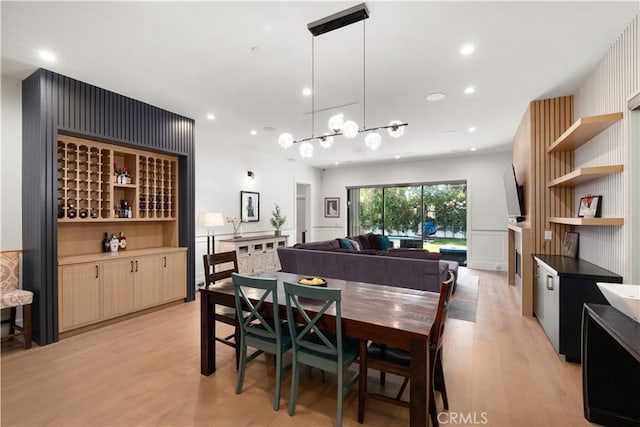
<point>315,347</point>
<point>227,264</point>
<point>11,297</point>
<point>397,361</point>
<point>258,331</point>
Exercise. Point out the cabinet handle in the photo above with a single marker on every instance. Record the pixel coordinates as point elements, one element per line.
<point>97,271</point>
<point>131,267</point>
<point>165,261</point>
<point>549,286</point>
<point>537,271</point>
<point>136,266</point>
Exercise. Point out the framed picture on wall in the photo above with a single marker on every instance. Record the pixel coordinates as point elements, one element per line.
<point>249,206</point>
<point>332,207</point>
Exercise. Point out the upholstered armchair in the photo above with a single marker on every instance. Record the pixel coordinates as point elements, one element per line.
<point>11,297</point>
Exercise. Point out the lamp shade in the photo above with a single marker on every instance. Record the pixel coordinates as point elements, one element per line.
<point>210,219</point>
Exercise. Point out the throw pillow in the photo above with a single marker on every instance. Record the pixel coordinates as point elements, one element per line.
<point>384,243</point>
<point>345,244</point>
<point>373,240</point>
<point>355,244</point>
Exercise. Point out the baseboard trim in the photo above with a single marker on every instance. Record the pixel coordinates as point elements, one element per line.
<point>487,265</point>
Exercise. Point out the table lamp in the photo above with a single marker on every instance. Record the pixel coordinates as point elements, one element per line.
<point>210,220</point>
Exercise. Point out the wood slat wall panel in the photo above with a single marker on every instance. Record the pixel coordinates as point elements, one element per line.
<point>606,90</point>
<point>52,102</point>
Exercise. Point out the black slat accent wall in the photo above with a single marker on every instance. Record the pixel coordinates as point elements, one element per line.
<point>51,103</point>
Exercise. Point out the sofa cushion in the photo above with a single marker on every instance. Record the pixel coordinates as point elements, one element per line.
<point>412,253</point>
<point>363,241</point>
<point>384,243</point>
<point>324,245</point>
<point>346,244</point>
<point>373,240</point>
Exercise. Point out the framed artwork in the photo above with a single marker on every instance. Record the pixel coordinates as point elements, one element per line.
<point>332,207</point>
<point>570,244</point>
<point>249,206</point>
<point>590,206</point>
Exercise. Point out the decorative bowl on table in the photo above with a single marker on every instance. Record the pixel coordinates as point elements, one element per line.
<point>313,281</point>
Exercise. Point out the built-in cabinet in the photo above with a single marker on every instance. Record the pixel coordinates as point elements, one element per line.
<point>562,285</point>
<point>117,284</point>
<point>256,253</point>
<point>107,189</point>
<point>580,133</point>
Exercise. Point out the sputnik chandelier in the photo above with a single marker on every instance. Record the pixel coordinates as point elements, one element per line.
<point>337,124</point>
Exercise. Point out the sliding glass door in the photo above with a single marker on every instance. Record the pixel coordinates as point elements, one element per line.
<point>413,216</point>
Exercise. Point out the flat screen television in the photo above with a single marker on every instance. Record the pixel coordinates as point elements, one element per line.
<point>514,193</point>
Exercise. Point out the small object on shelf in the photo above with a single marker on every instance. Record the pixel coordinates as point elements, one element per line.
<point>94,214</point>
<point>122,241</point>
<point>83,213</point>
<point>590,206</point>
<point>60,210</point>
<point>129,213</point>
<point>114,244</point>
<point>71,211</point>
<point>106,243</point>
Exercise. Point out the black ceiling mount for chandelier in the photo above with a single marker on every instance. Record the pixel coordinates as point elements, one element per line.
<point>337,125</point>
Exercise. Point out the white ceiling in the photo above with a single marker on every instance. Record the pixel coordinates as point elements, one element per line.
<point>194,58</point>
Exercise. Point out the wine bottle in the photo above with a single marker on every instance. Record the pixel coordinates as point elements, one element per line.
<point>122,241</point>
<point>106,245</point>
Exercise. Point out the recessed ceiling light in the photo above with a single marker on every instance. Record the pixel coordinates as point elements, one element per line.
<point>254,132</point>
<point>467,49</point>
<point>337,163</point>
<point>210,116</point>
<point>306,91</point>
<point>469,90</point>
<point>397,157</point>
<point>472,129</point>
<point>435,96</point>
<point>47,55</point>
<point>472,149</point>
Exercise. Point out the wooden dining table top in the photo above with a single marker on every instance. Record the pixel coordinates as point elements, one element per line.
<point>384,308</point>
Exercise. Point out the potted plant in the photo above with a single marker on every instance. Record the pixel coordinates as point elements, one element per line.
<point>277,219</point>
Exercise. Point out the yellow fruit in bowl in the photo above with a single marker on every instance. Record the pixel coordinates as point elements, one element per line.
<point>312,281</point>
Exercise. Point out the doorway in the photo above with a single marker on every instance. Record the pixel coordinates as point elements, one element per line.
<point>303,209</point>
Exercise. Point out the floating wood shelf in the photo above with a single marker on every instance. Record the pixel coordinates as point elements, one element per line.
<point>581,175</point>
<point>582,131</point>
<point>587,221</point>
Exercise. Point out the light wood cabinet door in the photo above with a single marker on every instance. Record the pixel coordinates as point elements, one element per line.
<point>79,295</point>
<point>174,273</point>
<point>118,287</point>
<point>147,283</point>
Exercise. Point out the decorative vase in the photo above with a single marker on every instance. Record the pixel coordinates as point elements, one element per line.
<point>278,233</point>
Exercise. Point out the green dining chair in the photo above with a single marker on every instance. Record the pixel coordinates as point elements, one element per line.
<point>263,333</point>
<point>315,347</point>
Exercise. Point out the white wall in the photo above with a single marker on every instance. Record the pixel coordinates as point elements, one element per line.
<point>11,165</point>
<point>221,173</point>
<point>486,203</point>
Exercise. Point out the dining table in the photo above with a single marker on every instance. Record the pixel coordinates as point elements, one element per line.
<point>395,316</point>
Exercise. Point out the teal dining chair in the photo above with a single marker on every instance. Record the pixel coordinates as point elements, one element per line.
<point>268,334</point>
<point>315,347</point>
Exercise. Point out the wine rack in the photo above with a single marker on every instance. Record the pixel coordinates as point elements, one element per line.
<point>93,186</point>
<point>156,187</point>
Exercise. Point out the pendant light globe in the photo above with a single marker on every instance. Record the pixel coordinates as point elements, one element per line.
<point>395,130</point>
<point>325,141</point>
<point>336,122</point>
<point>350,129</point>
<point>306,149</point>
<point>285,140</point>
<point>373,140</point>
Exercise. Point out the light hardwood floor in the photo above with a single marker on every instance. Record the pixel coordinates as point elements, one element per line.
<point>146,371</point>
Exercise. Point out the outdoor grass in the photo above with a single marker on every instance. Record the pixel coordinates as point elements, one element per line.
<point>433,245</point>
